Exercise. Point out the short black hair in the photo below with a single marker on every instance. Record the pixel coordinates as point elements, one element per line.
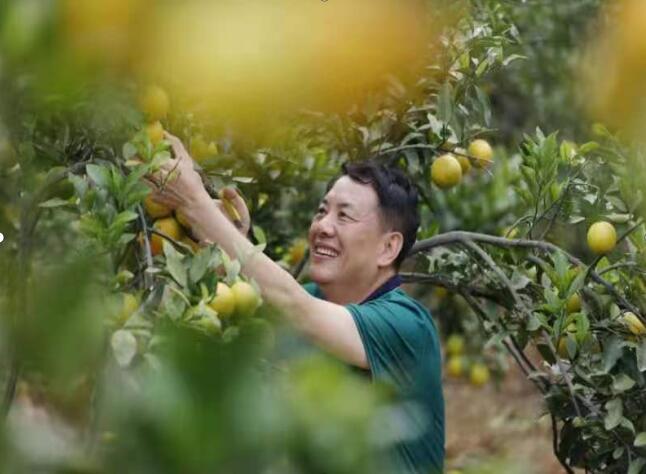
<point>398,198</point>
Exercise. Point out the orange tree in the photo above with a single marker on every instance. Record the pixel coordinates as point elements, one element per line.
<point>169,366</point>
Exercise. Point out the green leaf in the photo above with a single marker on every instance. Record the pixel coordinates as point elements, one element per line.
<point>173,302</point>
<point>125,238</point>
<point>582,327</point>
<point>536,321</point>
<point>175,264</point>
<point>54,202</point>
<point>124,217</point>
<point>636,465</point>
<point>199,265</point>
<point>243,179</point>
<point>124,347</point>
<point>91,225</point>
<point>577,284</point>
<point>99,174</point>
<point>640,439</point>
<point>511,58</point>
<point>612,352</point>
<point>588,147</point>
<point>259,234</point>
<point>129,151</point>
<point>640,352</point>
<point>445,103</point>
<point>622,383</point>
<point>615,413</point>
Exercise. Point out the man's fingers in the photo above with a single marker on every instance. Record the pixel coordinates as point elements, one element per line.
<point>234,198</point>
<point>179,150</point>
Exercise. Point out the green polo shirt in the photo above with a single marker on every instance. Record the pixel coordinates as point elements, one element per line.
<point>403,350</point>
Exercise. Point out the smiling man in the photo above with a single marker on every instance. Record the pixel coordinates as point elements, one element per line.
<point>354,309</point>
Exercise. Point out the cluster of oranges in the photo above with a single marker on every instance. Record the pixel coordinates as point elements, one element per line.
<point>448,169</point>
<point>241,298</point>
<point>155,105</point>
<point>457,364</point>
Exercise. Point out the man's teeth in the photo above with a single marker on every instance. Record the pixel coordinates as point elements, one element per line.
<point>327,252</point>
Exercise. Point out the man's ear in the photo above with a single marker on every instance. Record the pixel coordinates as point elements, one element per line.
<point>392,245</point>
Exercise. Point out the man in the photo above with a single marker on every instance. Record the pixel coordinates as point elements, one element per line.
<point>360,234</point>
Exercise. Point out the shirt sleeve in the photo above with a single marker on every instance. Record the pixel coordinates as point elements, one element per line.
<point>394,337</point>
<point>311,288</point>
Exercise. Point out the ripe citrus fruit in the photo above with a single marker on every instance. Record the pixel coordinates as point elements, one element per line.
<point>129,305</point>
<point>573,304</point>
<point>224,301</point>
<point>455,366</point>
<point>440,292</point>
<point>155,132</point>
<point>246,298</point>
<point>602,237</point>
<point>562,344</point>
<point>465,163</point>
<point>154,103</point>
<point>446,171</point>
<point>181,218</point>
<point>297,251</point>
<point>634,324</point>
<point>155,209</point>
<point>479,375</point>
<point>191,243</point>
<point>200,149</point>
<point>168,226</point>
<point>482,152</point>
<point>455,344</point>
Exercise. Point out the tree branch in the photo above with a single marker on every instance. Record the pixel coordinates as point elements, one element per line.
<point>458,237</point>
<point>148,283</point>
<point>519,302</point>
<point>438,280</point>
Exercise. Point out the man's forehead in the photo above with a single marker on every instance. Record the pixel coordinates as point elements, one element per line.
<point>349,193</point>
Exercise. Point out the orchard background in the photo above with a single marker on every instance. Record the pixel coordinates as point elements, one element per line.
<point>127,347</point>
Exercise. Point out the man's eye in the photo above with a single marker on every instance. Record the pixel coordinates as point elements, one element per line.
<point>344,216</point>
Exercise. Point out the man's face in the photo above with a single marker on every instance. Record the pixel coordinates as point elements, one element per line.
<point>346,234</point>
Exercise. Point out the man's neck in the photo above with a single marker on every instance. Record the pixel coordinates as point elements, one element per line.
<point>342,293</point>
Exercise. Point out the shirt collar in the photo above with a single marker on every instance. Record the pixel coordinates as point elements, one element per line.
<point>392,283</point>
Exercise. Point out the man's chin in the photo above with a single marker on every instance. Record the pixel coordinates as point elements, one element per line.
<point>320,277</point>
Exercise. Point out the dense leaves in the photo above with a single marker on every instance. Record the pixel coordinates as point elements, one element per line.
<point>136,369</point>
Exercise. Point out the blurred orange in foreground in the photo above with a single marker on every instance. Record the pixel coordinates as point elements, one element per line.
<point>240,61</point>
<point>102,32</point>
<point>616,68</point>
<point>237,59</point>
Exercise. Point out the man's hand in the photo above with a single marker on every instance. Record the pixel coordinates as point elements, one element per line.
<point>179,186</point>
<point>242,220</point>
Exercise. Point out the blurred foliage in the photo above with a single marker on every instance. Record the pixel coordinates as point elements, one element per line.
<point>116,358</point>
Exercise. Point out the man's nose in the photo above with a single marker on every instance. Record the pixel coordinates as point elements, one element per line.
<point>324,225</point>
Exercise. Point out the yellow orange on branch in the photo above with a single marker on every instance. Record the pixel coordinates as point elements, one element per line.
<point>482,153</point>
<point>634,324</point>
<point>246,297</point>
<point>154,103</point>
<point>169,227</point>
<point>446,171</point>
<point>155,209</point>
<point>479,374</point>
<point>224,301</point>
<point>602,237</point>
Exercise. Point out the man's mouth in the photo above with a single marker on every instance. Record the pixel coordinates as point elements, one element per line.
<point>325,252</point>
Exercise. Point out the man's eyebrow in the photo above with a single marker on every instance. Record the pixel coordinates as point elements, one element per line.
<point>341,205</point>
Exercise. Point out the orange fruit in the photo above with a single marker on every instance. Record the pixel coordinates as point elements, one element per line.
<point>168,226</point>
<point>446,171</point>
